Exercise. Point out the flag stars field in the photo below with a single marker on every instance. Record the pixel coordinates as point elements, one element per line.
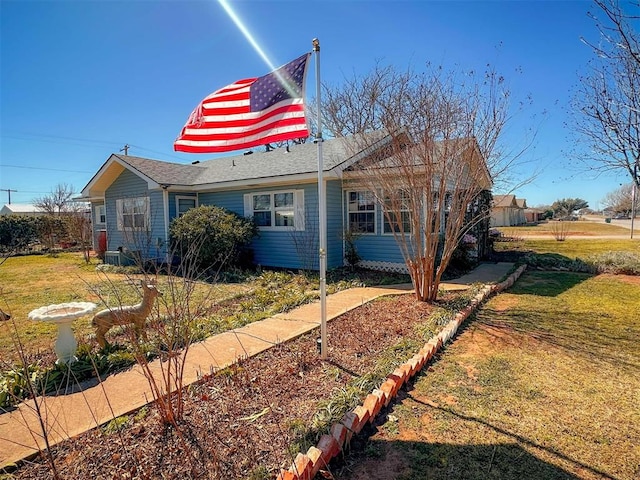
<point>249,113</point>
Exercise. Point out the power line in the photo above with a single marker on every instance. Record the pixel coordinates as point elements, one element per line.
<point>55,138</point>
<point>72,141</point>
<point>42,168</point>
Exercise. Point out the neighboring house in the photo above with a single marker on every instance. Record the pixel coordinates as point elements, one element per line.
<point>21,209</point>
<point>533,215</point>
<point>507,211</point>
<point>134,200</point>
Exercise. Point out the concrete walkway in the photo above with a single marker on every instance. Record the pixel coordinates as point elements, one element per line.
<point>72,414</point>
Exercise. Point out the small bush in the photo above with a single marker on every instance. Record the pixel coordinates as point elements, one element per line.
<point>220,237</point>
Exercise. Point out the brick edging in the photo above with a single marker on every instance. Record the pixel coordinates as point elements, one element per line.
<point>306,465</point>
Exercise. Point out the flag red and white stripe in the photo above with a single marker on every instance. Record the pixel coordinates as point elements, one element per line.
<point>249,112</point>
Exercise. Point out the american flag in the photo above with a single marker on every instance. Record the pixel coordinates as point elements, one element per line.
<point>249,112</point>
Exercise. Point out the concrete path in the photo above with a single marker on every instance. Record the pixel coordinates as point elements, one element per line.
<point>72,414</point>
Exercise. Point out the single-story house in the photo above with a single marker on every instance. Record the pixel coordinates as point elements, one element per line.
<point>131,195</point>
<point>533,215</point>
<point>21,209</point>
<point>508,211</point>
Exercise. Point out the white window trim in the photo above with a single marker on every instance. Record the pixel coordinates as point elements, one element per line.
<point>384,220</point>
<point>119,207</point>
<point>184,197</point>
<point>102,208</point>
<point>375,211</point>
<point>298,210</point>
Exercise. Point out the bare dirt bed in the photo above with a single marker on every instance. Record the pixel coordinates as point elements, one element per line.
<point>245,421</point>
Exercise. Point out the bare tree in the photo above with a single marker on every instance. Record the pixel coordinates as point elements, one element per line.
<point>431,168</point>
<point>78,220</point>
<point>607,102</point>
<point>60,206</point>
<point>57,201</point>
<point>620,200</point>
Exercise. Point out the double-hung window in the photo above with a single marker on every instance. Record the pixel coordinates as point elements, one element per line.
<point>133,213</point>
<point>276,210</point>
<point>362,211</point>
<point>397,210</point>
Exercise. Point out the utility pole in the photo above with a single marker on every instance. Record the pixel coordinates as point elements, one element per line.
<point>125,149</point>
<point>8,190</point>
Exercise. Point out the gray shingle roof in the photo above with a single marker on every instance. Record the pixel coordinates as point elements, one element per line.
<point>300,159</point>
<point>163,172</point>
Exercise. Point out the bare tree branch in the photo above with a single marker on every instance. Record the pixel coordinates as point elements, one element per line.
<point>432,166</point>
<point>606,106</point>
<point>57,201</point>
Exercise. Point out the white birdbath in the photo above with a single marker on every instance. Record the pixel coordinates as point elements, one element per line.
<point>63,316</point>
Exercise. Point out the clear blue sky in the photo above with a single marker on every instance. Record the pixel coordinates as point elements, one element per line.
<point>80,79</point>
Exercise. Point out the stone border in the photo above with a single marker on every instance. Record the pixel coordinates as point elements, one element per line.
<point>306,465</point>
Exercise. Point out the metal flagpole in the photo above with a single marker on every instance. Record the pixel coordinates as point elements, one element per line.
<point>322,216</point>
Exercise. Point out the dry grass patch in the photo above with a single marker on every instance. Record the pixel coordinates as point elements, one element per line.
<point>582,227</point>
<point>572,247</point>
<point>546,388</point>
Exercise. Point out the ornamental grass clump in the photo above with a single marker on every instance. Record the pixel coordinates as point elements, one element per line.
<point>620,263</point>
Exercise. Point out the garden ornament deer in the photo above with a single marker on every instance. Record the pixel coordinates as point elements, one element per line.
<point>135,314</point>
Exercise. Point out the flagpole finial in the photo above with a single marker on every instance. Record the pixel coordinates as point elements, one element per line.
<point>316,44</point>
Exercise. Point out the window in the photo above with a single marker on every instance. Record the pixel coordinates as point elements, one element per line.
<point>133,213</point>
<point>399,203</point>
<point>276,210</point>
<point>101,215</point>
<point>284,209</point>
<point>185,203</point>
<point>362,212</point>
<point>438,214</point>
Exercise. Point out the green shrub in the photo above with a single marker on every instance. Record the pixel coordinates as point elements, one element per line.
<point>215,236</point>
<point>14,383</point>
<point>17,232</point>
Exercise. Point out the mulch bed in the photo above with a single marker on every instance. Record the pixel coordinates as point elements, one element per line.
<point>242,421</point>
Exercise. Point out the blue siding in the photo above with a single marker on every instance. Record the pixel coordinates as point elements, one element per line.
<point>129,185</point>
<point>335,230</point>
<point>285,249</point>
<point>230,200</point>
<point>157,232</point>
<point>376,247</point>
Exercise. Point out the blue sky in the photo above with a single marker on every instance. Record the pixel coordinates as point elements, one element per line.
<point>80,79</point>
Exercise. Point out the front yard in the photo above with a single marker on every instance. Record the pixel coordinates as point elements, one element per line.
<point>543,382</point>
